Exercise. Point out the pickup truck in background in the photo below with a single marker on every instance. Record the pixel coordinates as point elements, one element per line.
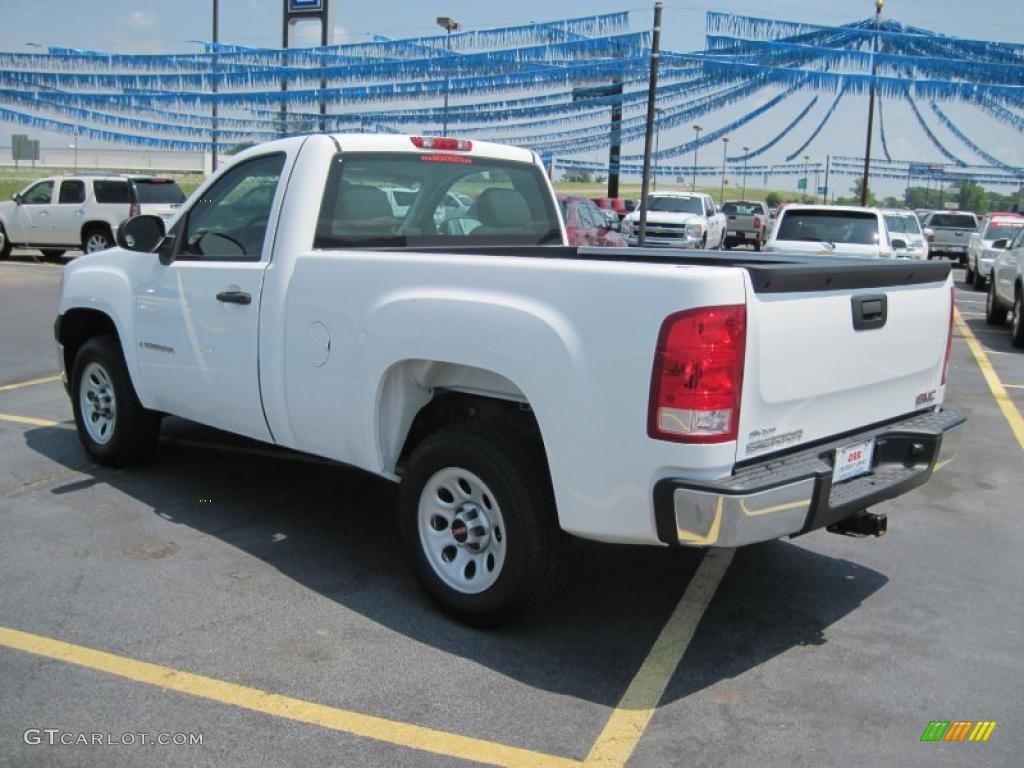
<point>517,388</point>
<point>746,223</point>
<point>678,220</point>
<point>950,233</point>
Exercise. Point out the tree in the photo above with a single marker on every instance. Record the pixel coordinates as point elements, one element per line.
<point>892,202</point>
<point>917,197</point>
<point>972,197</point>
<point>773,199</point>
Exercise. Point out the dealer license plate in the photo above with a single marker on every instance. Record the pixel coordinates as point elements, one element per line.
<point>853,460</point>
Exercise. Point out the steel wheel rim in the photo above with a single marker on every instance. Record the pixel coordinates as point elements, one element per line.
<point>96,243</point>
<point>462,531</point>
<point>97,403</point>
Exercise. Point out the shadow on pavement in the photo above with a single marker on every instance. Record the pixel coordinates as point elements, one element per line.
<point>340,540</point>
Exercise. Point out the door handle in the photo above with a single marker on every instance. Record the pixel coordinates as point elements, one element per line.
<point>234,297</point>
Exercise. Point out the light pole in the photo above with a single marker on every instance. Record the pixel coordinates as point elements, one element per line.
<point>74,146</point>
<point>806,180</point>
<point>449,24</point>
<point>725,147</point>
<point>871,105</point>
<point>746,150</point>
<point>696,143</point>
<point>213,86</point>
<point>657,135</point>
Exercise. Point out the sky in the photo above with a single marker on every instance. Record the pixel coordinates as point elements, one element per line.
<point>159,26</point>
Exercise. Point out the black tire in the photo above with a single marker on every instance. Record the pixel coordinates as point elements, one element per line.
<point>1017,326</point>
<point>968,275</point>
<point>977,281</point>
<point>5,244</point>
<point>133,430</point>
<point>96,237</point>
<point>994,314</point>
<point>52,255</point>
<point>513,467</point>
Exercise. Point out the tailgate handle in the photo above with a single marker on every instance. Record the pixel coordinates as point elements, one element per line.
<point>869,312</point>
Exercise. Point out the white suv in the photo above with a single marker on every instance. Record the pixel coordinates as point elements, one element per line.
<point>65,213</point>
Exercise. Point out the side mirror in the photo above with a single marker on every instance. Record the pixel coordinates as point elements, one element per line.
<point>1001,244</point>
<point>16,197</point>
<point>929,233</point>
<point>899,244</point>
<point>141,233</point>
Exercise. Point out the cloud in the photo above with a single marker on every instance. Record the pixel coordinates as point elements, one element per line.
<point>141,19</point>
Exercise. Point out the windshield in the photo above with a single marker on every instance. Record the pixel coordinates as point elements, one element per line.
<point>854,227</point>
<point>742,209</point>
<point>509,203</point>
<point>158,191</point>
<point>953,221</point>
<point>675,204</point>
<point>906,224</point>
<point>1001,231</point>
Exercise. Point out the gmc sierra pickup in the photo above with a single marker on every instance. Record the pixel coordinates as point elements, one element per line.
<point>517,388</point>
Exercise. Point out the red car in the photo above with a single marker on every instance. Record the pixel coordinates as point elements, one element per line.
<point>585,224</point>
<point>614,204</point>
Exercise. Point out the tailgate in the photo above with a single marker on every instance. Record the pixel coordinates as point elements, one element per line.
<point>811,374</point>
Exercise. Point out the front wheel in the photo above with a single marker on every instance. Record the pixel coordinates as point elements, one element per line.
<point>112,424</point>
<point>5,244</point>
<point>477,521</point>
<point>977,281</point>
<point>969,274</point>
<point>994,314</point>
<point>1017,326</point>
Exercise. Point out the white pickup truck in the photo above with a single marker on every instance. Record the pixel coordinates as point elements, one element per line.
<point>678,220</point>
<point>517,388</point>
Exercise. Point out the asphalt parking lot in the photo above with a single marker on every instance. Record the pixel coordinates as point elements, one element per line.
<point>257,598</point>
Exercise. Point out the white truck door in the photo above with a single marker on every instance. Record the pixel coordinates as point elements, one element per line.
<point>30,220</point>
<point>197,318</point>
<point>68,215</point>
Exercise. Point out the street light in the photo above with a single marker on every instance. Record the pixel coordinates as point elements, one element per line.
<point>657,126</point>
<point>696,143</point>
<point>725,146</point>
<point>746,151</point>
<point>74,146</point>
<point>448,24</point>
<point>871,104</point>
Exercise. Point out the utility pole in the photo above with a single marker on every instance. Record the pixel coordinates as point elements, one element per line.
<point>448,24</point>
<point>657,135</point>
<point>871,105</point>
<point>696,143</point>
<point>213,124</point>
<point>652,95</point>
<point>725,147</point>
<point>824,196</point>
<point>806,180</point>
<point>746,150</point>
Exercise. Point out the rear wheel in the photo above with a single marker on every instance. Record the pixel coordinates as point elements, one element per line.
<point>477,520</point>
<point>1017,326</point>
<point>994,314</point>
<point>96,239</point>
<point>112,424</point>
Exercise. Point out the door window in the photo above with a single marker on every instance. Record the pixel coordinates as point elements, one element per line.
<point>112,191</point>
<point>229,222</point>
<point>38,194</point>
<point>72,192</point>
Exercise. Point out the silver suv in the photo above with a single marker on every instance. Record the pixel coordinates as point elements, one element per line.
<point>81,211</point>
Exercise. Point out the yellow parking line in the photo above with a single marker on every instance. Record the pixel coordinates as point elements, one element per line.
<point>346,721</point>
<point>628,722</point>
<point>28,420</point>
<point>20,384</point>
<point>1003,399</point>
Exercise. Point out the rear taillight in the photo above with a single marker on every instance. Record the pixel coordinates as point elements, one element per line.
<point>949,336</point>
<point>441,142</point>
<point>757,222</point>
<point>134,210</point>
<point>698,375</point>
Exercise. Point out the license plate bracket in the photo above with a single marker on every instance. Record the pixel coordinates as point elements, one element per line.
<point>853,460</point>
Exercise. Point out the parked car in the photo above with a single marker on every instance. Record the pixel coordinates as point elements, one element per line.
<point>81,211</point>
<point>1006,288</point>
<point>678,220</point>
<point>614,205</point>
<point>833,230</point>
<point>747,223</point>
<point>586,224</point>
<point>951,231</point>
<point>516,387</point>
<point>980,253</point>
<point>902,225</point>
